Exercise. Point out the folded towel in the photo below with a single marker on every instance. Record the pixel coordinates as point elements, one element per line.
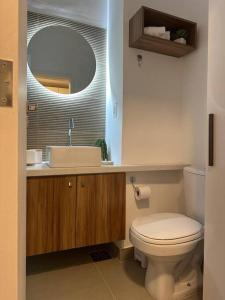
<point>159,32</point>
<point>181,41</point>
<point>155,30</point>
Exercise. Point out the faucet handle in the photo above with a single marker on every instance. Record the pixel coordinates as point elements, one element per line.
<point>71,123</point>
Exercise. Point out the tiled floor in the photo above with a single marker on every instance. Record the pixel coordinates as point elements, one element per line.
<point>74,276</point>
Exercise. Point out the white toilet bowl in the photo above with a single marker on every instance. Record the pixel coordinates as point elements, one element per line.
<point>168,241</point>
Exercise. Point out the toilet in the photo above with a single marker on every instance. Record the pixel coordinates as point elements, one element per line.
<point>172,244</point>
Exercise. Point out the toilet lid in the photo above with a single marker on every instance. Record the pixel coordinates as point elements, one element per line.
<point>166,226</point>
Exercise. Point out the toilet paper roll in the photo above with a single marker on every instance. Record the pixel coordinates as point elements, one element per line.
<point>142,192</point>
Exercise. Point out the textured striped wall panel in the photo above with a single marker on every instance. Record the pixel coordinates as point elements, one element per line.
<point>49,124</point>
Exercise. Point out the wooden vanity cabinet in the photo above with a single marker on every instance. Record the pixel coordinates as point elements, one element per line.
<point>65,212</point>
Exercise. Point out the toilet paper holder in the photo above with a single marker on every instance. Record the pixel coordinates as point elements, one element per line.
<point>132,181</point>
<point>135,188</point>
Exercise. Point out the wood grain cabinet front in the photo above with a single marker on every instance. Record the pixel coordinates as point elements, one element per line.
<point>65,212</point>
<point>100,213</point>
<point>51,205</point>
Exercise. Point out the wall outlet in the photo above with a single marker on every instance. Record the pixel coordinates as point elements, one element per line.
<point>115,110</point>
<point>32,107</point>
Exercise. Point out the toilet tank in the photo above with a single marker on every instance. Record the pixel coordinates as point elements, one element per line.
<point>194,192</point>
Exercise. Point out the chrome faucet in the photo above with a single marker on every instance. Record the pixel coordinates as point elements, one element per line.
<point>71,126</point>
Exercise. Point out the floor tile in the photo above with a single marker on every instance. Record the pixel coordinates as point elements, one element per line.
<point>125,279</point>
<point>81,282</point>
<point>72,275</point>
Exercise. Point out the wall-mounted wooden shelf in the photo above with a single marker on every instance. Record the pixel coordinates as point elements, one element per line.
<point>150,17</point>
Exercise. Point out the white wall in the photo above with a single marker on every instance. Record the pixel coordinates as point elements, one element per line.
<point>194,88</point>
<point>152,101</point>
<point>114,104</point>
<point>82,11</point>
<point>165,99</point>
<point>12,155</point>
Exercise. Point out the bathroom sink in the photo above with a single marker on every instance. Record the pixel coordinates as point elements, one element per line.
<point>73,156</point>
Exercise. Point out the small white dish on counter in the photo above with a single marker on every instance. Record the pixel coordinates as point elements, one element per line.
<point>73,156</point>
<point>107,163</point>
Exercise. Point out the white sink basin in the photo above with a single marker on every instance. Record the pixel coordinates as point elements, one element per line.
<point>73,156</point>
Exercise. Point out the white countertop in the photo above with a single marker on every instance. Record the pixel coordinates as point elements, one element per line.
<point>45,170</point>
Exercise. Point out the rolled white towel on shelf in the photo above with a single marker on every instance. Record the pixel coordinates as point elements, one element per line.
<point>165,36</point>
<point>158,32</point>
<point>153,30</point>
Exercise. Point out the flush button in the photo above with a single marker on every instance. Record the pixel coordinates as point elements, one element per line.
<point>6,83</point>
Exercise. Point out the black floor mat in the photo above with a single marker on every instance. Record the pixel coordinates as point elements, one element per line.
<point>100,255</point>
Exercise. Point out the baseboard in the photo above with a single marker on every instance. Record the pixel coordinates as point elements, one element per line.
<point>125,253</point>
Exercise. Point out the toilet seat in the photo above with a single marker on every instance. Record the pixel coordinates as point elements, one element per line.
<point>169,242</point>
<point>167,229</point>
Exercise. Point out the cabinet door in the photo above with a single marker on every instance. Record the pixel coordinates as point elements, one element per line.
<point>214,237</point>
<point>65,196</point>
<point>51,204</point>
<point>100,213</point>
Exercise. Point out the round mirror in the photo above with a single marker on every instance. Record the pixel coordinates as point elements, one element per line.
<point>61,59</point>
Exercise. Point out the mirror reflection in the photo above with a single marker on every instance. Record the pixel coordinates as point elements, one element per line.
<point>61,59</point>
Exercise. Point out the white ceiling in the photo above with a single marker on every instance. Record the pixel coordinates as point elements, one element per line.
<point>92,12</point>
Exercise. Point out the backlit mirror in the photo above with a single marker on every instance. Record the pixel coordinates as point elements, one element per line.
<point>61,59</point>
